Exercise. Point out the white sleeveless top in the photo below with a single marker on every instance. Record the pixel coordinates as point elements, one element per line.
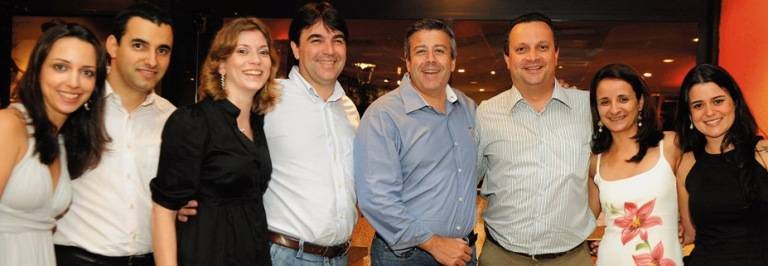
<point>641,217</point>
<point>29,205</point>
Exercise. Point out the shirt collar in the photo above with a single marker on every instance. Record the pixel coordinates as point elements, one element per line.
<point>110,93</point>
<point>295,75</point>
<point>228,107</point>
<point>558,94</point>
<point>413,101</point>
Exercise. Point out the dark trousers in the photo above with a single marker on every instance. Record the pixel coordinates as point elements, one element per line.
<point>74,256</point>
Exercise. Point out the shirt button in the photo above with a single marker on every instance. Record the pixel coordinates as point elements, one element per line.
<point>461,199</point>
<point>459,170</point>
<point>455,144</point>
<point>458,228</point>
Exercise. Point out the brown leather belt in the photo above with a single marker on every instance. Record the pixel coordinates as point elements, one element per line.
<point>290,242</point>
<point>546,256</point>
<point>534,257</point>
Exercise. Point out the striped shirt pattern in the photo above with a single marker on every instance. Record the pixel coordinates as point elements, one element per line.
<point>535,166</point>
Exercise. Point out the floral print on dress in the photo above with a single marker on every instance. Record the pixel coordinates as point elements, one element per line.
<point>636,221</point>
<point>655,258</point>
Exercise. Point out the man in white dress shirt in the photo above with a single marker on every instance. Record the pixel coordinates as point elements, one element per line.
<point>108,222</point>
<point>310,201</point>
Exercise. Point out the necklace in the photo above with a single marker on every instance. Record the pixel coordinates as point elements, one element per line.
<point>242,129</point>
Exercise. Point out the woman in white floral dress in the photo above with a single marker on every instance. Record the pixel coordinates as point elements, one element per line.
<point>633,179</point>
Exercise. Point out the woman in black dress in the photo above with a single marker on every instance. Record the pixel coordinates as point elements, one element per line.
<point>722,178</point>
<point>215,152</point>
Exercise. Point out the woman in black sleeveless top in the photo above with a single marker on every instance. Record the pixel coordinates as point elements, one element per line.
<point>722,178</point>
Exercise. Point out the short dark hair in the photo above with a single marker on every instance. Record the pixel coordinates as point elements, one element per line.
<point>428,24</point>
<point>314,12</point>
<point>84,134</point>
<point>146,11</point>
<point>530,17</point>
<point>649,134</point>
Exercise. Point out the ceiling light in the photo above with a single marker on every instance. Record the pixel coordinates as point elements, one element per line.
<point>695,39</point>
<point>481,90</point>
<point>647,74</point>
<point>473,82</point>
<point>364,66</point>
<point>668,60</point>
<point>461,70</point>
<point>493,72</point>
<point>386,80</point>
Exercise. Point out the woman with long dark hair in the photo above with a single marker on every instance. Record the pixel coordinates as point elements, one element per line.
<point>55,133</point>
<point>722,178</point>
<point>633,180</point>
<point>215,152</point>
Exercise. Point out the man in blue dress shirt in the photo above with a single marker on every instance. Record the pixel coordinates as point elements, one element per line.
<point>415,156</point>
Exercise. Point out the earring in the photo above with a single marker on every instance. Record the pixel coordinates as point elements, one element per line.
<point>599,130</point>
<point>691,119</point>
<point>222,81</point>
<point>87,105</point>
<point>640,119</point>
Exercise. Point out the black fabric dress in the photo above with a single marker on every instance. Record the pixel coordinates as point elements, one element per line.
<point>205,157</point>
<point>729,229</point>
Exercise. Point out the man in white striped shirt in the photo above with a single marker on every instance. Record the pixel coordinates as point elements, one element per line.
<point>533,149</point>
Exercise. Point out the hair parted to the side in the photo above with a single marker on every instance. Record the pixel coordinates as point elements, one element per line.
<point>649,134</point>
<point>744,129</point>
<point>314,12</point>
<point>145,11</point>
<point>222,47</point>
<point>84,134</point>
<point>742,135</point>
<point>526,18</point>
<point>428,24</point>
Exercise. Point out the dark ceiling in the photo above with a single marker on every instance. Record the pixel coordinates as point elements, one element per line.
<point>592,33</point>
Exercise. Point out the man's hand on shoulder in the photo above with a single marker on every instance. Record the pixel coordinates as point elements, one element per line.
<point>188,210</point>
<point>448,251</point>
<point>565,84</point>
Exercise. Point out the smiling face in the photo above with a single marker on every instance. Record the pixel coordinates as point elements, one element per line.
<point>67,77</point>
<point>617,105</point>
<point>321,52</point>
<point>532,56</point>
<point>248,67</point>
<point>712,110</point>
<point>141,58</point>
<point>430,62</point>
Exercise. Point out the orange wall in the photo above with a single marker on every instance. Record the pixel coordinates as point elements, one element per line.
<point>744,51</point>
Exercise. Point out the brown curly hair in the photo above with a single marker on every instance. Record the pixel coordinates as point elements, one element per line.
<point>222,47</point>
